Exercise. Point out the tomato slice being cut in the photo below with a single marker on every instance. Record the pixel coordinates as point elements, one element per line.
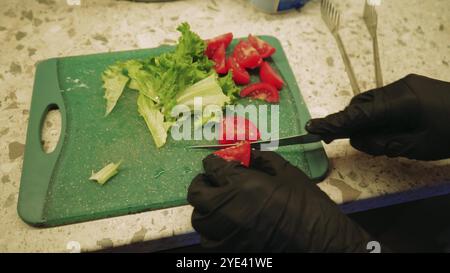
<point>246,55</point>
<point>240,75</point>
<point>220,60</point>
<point>240,153</point>
<point>264,48</point>
<point>214,43</point>
<point>268,75</point>
<point>261,91</point>
<point>234,128</point>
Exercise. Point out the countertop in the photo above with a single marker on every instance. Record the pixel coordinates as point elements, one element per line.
<point>414,38</point>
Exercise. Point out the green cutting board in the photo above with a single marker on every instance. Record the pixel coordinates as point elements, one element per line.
<point>54,187</point>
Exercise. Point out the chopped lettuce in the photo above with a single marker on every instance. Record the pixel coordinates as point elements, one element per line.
<point>190,45</point>
<point>143,81</point>
<point>172,78</point>
<point>113,82</point>
<point>204,119</point>
<point>208,89</point>
<point>229,88</point>
<point>154,120</point>
<point>106,173</point>
<point>131,67</point>
<point>133,85</point>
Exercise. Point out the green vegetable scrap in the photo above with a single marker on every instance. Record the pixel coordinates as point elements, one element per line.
<point>154,119</point>
<point>172,78</point>
<point>229,88</point>
<point>114,82</point>
<point>106,173</point>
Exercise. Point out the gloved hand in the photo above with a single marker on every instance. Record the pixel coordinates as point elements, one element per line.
<point>408,118</point>
<point>271,206</point>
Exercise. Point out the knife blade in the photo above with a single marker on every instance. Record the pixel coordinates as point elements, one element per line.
<point>285,141</point>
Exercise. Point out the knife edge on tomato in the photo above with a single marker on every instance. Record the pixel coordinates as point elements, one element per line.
<point>233,129</point>
<point>239,152</point>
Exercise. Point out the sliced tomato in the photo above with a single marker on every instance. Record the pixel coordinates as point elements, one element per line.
<point>240,75</point>
<point>240,153</point>
<point>261,91</point>
<point>214,43</point>
<point>234,128</point>
<point>268,75</point>
<point>264,48</point>
<point>246,55</point>
<point>220,60</point>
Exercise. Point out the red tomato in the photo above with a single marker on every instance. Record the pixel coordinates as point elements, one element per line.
<point>240,153</point>
<point>246,55</point>
<point>268,75</point>
<point>264,49</point>
<point>240,75</point>
<point>262,91</point>
<point>220,60</point>
<point>236,128</point>
<point>214,43</point>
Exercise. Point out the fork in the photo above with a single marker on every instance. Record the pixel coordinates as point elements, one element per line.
<point>371,19</point>
<point>331,16</point>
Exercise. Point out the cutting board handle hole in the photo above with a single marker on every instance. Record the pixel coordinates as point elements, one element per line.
<point>50,129</point>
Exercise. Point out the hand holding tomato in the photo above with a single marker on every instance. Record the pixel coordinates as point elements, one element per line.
<point>272,206</point>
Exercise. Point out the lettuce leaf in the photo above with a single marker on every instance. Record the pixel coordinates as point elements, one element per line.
<point>190,45</point>
<point>172,78</point>
<point>208,89</point>
<point>229,87</point>
<point>113,82</point>
<point>154,120</point>
<point>143,81</point>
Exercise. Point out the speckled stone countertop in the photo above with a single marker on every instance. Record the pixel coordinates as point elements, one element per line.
<point>414,38</point>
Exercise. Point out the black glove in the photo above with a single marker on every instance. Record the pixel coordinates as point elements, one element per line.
<point>408,118</point>
<point>271,206</point>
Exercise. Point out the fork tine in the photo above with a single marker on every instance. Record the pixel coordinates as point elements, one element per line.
<point>334,16</point>
<point>366,6</point>
<point>330,15</point>
<point>338,20</point>
<point>330,9</point>
<point>322,7</point>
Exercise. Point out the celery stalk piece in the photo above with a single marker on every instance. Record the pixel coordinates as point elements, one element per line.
<point>106,173</point>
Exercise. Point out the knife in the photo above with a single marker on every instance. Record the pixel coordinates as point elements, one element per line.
<point>285,141</point>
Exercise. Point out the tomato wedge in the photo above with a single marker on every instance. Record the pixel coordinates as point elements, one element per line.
<point>240,75</point>
<point>246,55</point>
<point>220,60</point>
<point>240,153</point>
<point>233,129</point>
<point>261,91</point>
<point>264,48</point>
<point>268,75</point>
<point>214,43</point>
